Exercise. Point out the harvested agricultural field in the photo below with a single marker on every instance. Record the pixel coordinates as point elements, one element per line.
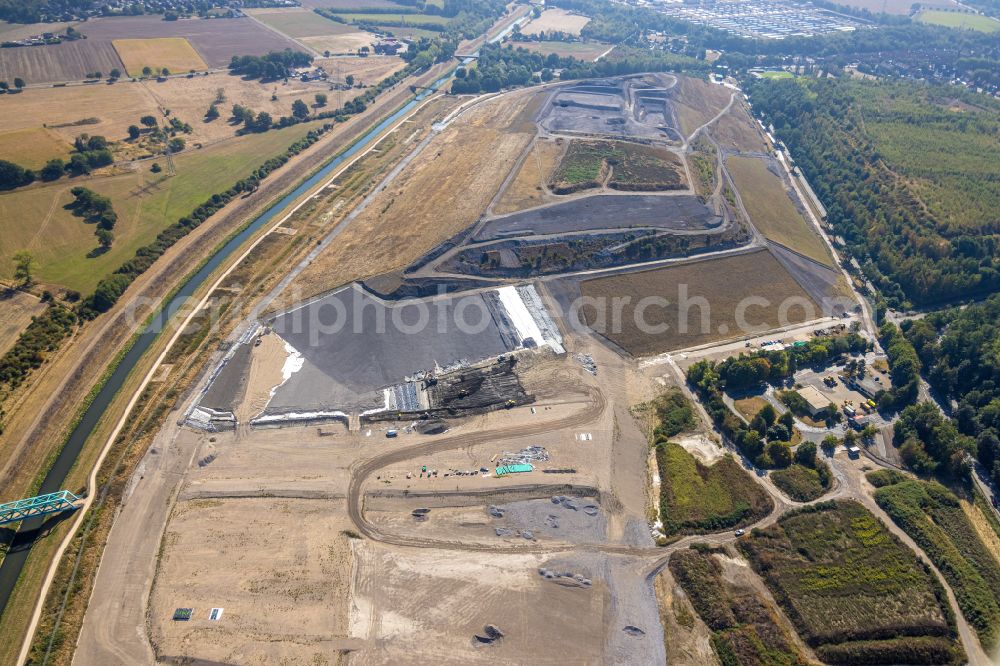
<point>853,591</point>
<point>443,191</point>
<point>724,283</point>
<point>109,110</point>
<point>15,31</point>
<point>18,308</point>
<point>35,218</point>
<point>933,517</point>
<point>697,101</point>
<point>588,51</point>
<point>772,212</point>
<point>215,40</point>
<point>556,20</point>
<point>32,147</point>
<point>529,187</point>
<point>745,628</point>
<point>173,54</point>
<point>55,63</point>
<point>603,211</point>
<point>283,591</point>
<point>298,23</point>
<point>698,499</point>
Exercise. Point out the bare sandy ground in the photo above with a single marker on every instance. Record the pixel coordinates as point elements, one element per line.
<point>283,588</point>
<point>263,375</point>
<point>425,606</point>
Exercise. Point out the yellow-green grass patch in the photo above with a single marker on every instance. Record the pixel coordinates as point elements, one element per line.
<point>158,53</point>
<point>772,211</point>
<point>33,147</point>
<point>959,20</point>
<point>146,203</point>
<point>695,499</point>
<point>300,23</point>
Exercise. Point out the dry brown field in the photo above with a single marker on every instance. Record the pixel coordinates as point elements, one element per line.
<point>344,5</point>
<point>283,590</point>
<point>771,210</point>
<point>215,40</point>
<point>15,31</point>
<point>32,147</point>
<point>444,190</point>
<point>589,51</point>
<point>297,22</point>
<point>737,131</point>
<point>368,71</point>
<point>697,101</point>
<point>18,308</point>
<point>723,283</point>
<point>109,110</point>
<point>556,20</point>
<point>174,54</point>
<point>54,63</point>
<point>529,187</point>
<point>340,44</point>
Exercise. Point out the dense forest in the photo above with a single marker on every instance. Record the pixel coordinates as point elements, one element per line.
<point>960,352</point>
<point>908,174</point>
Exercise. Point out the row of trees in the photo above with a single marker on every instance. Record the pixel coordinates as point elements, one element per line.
<point>95,209</point>
<point>271,66</point>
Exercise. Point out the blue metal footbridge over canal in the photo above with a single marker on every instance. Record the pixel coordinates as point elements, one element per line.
<point>42,505</point>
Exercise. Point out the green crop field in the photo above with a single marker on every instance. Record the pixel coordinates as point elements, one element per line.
<point>853,590</point>
<point>933,517</point>
<point>744,629</point>
<point>146,203</point>
<point>696,499</point>
<point>959,20</point>
<point>772,211</point>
